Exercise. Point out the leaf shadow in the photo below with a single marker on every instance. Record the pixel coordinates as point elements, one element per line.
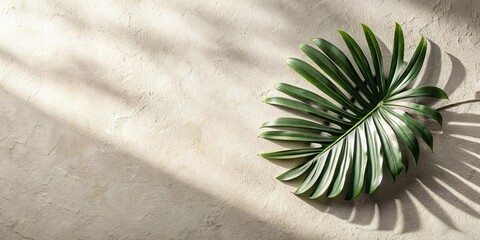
<point>436,178</point>
<point>448,175</point>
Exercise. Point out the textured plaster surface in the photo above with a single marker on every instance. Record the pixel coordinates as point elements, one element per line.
<point>139,120</point>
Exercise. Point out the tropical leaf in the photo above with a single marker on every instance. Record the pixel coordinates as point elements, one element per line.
<point>359,123</point>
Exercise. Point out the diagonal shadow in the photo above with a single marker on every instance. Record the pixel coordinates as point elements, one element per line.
<point>58,182</point>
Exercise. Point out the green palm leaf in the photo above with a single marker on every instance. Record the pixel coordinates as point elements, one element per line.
<point>357,127</point>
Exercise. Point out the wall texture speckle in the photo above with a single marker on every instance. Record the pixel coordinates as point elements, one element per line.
<point>139,120</point>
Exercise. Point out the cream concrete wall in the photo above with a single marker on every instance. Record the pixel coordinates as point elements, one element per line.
<point>139,120</point>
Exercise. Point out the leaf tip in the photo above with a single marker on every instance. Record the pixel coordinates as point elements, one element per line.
<point>261,135</point>
<point>311,197</point>
<point>332,195</point>
<point>296,192</point>
<point>278,85</point>
<point>267,100</point>
<point>430,145</point>
<point>422,38</point>
<point>280,178</point>
<point>305,48</point>
<point>364,26</point>
<point>289,61</point>
<point>264,155</point>
<point>443,95</point>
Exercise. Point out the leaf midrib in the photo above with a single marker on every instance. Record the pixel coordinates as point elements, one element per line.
<point>352,128</point>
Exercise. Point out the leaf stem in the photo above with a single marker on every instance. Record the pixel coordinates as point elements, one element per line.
<point>457,104</point>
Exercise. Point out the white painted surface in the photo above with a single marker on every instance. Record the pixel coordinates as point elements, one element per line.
<point>138,120</point>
